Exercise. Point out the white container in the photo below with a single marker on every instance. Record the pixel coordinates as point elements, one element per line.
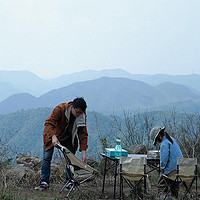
<point>153,154</point>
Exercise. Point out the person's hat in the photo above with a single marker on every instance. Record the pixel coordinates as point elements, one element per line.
<point>155,132</point>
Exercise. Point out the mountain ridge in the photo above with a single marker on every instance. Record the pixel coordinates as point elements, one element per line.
<point>105,95</point>
<point>13,82</point>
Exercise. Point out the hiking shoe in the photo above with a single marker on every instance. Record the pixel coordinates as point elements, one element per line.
<point>42,186</point>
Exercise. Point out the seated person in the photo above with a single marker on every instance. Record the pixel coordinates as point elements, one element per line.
<point>169,152</point>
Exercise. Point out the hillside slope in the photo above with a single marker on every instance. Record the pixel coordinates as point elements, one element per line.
<point>105,95</point>
<point>13,82</point>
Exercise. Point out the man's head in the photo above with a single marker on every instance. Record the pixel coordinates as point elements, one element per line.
<point>78,106</point>
<point>156,134</point>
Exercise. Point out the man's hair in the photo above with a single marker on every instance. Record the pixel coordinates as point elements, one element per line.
<point>79,103</point>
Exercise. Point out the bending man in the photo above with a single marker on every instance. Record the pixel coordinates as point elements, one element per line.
<point>67,125</point>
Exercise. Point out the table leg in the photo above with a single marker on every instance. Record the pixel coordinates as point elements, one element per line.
<point>104,175</point>
<point>121,182</point>
<point>116,162</point>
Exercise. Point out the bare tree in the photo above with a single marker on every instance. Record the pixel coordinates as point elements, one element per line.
<point>190,135</point>
<point>135,129</point>
<point>126,128</point>
<point>147,122</point>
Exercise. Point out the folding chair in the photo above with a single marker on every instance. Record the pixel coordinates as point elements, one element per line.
<point>73,162</point>
<point>133,172</point>
<point>186,174</point>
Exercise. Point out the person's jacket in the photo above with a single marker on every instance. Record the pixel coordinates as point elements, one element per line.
<point>57,123</point>
<point>168,155</point>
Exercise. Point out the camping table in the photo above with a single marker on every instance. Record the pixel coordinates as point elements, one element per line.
<point>115,163</point>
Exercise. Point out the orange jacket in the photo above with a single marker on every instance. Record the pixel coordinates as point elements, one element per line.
<point>56,124</point>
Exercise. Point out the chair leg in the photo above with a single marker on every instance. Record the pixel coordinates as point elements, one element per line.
<point>188,188</point>
<point>136,191</point>
<point>133,187</point>
<point>70,191</point>
<point>63,186</point>
<point>166,188</point>
<point>196,188</point>
<point>121,186</point>
<point>145,185</point>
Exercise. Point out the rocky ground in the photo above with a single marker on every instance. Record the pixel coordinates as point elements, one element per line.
<point>18,183</point>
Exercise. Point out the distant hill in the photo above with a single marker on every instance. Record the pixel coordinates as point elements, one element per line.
<point>191,80</point>
<point>22,131</point>
<point>13,82</point>
<point>87,75</point>
<point>183,106</point>
<point>175,92</point>
<point>7,89</point>
<point>18,102</point>
<point>105,95</point>
<point>21,82</point>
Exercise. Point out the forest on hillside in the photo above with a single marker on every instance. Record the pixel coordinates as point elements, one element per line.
<point>21,132</point>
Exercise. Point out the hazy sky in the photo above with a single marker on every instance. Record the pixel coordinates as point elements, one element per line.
<point>55,37</point>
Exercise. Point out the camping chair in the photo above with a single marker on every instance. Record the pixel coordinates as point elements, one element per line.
<point>133,172</point>
<point>186,174</point>
<point>73,163</point>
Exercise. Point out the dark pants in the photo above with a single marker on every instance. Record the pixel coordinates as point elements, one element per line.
<point>173,185</point>
<point>46,162</point>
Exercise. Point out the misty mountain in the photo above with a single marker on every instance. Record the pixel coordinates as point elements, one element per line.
<point>182,106</point>
<point>21,82</point>
<point>105,95</point>
<point>7,89</point>
<point>19,102</point>
<point>191,80</point>
<point>86,75</point>
<point>175,92</point>
<point>13,82</point>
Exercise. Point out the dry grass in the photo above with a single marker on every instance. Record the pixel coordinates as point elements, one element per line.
<point>12,188</point>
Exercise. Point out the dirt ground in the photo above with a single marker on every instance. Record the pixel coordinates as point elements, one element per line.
<point>91,190</point>
<point>86,191</point>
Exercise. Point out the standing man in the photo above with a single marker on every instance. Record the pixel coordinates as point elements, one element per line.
<point>67,125</point>
<point>169,152</point>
